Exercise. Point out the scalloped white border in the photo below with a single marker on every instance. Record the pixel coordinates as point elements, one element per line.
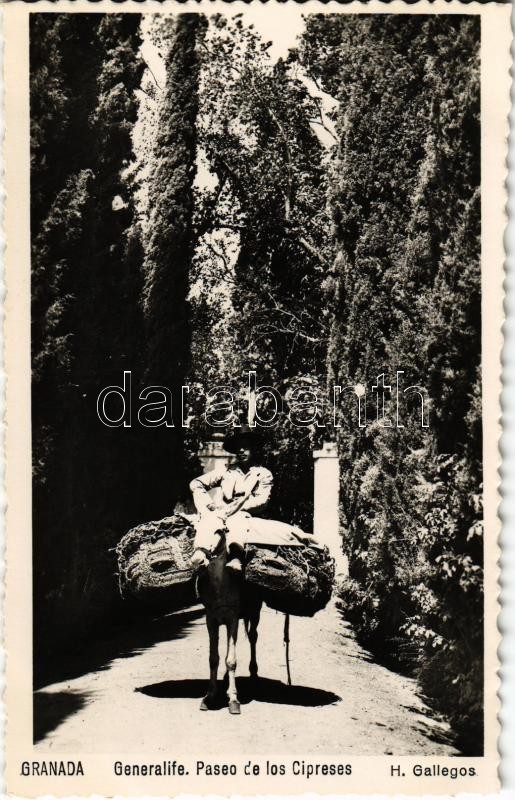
<point>507,473</point>
<point>507,649</point>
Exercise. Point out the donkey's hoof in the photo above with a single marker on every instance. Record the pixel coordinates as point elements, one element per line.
<point>234,707</point>
<point>206,704</point>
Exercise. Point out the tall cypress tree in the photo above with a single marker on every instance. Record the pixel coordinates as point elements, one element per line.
<point>111,335</point>
<point>60,201</point>
<point>86,290</point>
<point>170,246</point>
<point>404,199</point>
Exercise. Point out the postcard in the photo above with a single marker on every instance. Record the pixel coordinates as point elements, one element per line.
<point>253,312</point>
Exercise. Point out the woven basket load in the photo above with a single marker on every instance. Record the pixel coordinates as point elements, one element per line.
<point>292,579</point>
<point>154,561</point>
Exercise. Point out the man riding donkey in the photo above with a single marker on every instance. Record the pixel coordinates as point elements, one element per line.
<point>246,488</point>
<point>222,529</point>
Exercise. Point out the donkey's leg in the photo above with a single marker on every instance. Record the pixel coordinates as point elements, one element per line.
<point>214,657</point>
<point>230,662</point>
<point>253,636</point>
<point>214,660</point>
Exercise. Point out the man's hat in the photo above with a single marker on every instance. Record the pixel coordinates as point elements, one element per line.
<point>243,433</point>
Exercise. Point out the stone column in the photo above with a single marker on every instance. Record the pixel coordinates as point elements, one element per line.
<point>326,517</point>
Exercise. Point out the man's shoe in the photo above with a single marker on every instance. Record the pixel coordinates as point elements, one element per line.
<point>234,565</point>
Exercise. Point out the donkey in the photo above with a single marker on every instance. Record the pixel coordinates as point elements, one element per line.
<point>227,598</point>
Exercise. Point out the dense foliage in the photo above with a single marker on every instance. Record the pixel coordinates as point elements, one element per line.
<point>84,266</point>
<point>314,218</point>
<point>405,204</point>
<point>170,246</point>
<point>268,198</point>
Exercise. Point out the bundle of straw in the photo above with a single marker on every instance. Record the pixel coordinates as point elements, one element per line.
<point>154,560</point>
<point>292,579</point>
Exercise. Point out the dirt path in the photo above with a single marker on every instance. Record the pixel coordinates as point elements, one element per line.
<point>140,692</point>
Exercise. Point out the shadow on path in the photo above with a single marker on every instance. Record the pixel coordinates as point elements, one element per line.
<point>264,690</point>
<point>430,728</point>
<point>123,641</point>
<point>52,708</point>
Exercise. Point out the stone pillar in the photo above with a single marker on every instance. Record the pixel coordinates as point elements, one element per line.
<point>326,517</point>
<point>212,456</point>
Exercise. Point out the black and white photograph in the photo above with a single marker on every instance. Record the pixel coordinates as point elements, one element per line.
<point>257,393</point>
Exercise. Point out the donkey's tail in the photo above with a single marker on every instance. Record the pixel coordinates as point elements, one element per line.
<point>286,640</point>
